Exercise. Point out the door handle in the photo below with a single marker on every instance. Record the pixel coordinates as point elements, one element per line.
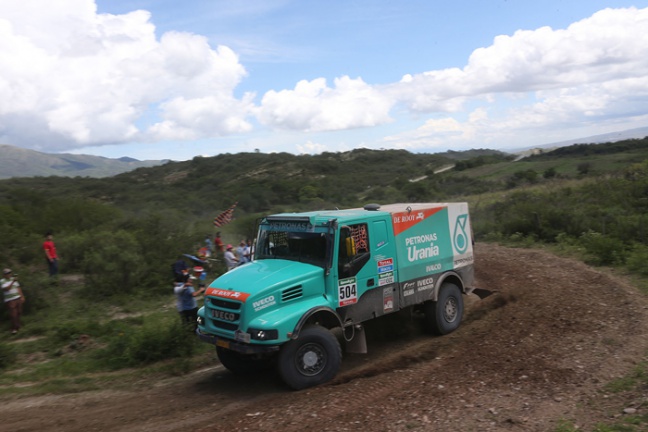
<point>370,282</point>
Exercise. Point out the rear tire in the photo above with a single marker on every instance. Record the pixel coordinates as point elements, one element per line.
<point>444,315</point>
<point>311,359</point>
<point>243,364</point>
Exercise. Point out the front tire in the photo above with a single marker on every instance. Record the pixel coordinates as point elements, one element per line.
<point>311,359</point>
<point>444,315</point>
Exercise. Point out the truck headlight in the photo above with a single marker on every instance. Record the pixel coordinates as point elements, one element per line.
<point>200,320</point>
<point>263,335</point>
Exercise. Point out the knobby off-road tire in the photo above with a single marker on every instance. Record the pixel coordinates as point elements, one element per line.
<point>311,359</point>
<point>444,315</point>
<point>243,364</point>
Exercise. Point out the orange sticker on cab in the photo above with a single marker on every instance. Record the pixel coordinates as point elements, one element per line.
<point>228,294</point>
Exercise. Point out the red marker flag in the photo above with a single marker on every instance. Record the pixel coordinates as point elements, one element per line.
<point>225,217</point>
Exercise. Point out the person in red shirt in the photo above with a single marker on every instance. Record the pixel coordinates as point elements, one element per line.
<point>218,244</point>
<point>50,254</point>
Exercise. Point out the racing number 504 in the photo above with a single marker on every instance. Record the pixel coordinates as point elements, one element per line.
<point>347,292</point>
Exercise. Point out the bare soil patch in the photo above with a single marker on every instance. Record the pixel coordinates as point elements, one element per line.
<point>538,352</point>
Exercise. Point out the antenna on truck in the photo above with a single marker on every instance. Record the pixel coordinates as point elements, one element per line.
<point>372,207</point>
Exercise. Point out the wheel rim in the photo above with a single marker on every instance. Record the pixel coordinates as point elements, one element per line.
<point>451,310</point>
<point>310,359</point>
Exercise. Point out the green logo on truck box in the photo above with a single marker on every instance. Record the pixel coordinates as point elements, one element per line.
<point>460,236</point>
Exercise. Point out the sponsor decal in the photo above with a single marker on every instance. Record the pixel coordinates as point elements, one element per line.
<point>347,292</point>
<point>463,261</point>
<point>407,219</point>
<point>388,300</point>
<point>385,279</point>
<point>425,284</point>
<point>386,265</point>
<point>228,294</point>
<point>408,288</point>
<point>460,237</point>
<point>290,226</point>
<point>264,303</point>
<point>223,315</point>
<point>433,267</point>
<point>422,247</point>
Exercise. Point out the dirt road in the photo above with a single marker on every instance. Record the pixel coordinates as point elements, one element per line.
<point>537,353</point>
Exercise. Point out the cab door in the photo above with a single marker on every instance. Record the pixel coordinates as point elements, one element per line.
<point>360,295</point>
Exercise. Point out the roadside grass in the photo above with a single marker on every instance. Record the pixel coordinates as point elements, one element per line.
<point>73,344</point>
<point>565,166</point>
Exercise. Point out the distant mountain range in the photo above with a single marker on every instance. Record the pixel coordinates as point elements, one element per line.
<point>19,162</point>
<point>594,139</point>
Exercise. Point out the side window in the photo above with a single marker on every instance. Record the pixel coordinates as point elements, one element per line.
<point>354,249</point>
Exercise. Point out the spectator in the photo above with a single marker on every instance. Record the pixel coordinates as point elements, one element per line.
<point>247,251</point>
<point>180,269</point>
<point>13,298</point>
<point>186,302</point>
<point>230,259</point>
<point>218,243</point>
<point>209,245</point>
<point>200,274</point>
<point>50,254</point>
<point>240,253</point>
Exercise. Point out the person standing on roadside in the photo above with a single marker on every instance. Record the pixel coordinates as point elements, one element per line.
<point>50,254</point>
<point>240,253</point>
<point>186,301</point>
<point>13,298</point>
<point>218,244</point>
<point>230,259</point>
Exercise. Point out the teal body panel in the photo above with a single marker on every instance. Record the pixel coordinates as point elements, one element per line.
<point>265,295</point>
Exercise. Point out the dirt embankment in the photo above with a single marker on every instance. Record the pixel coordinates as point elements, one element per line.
<point>537,353</point>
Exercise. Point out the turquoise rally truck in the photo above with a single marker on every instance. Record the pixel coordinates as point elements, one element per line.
<point>317,276</point>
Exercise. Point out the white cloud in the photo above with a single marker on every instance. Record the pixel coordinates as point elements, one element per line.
<point>313,106</point>
<point>590,73</point>
<point>71,78</point>
<point>610,45</point>
<point>87,79</point>
<point>311,148</point>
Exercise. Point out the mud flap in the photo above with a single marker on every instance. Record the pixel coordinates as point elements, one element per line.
<point>358,342</point>
<point>481,292</point>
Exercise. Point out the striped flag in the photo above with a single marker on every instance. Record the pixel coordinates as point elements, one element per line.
<point>225,217</point>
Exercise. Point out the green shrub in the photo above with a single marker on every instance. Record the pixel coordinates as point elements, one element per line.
<point>36,287</point>
<point>112,266</point>
<point>156,340</point>
<point>637,259</point>
<point>7,356</point>
<point>602,249</point>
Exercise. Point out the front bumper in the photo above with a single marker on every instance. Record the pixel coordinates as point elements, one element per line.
<point>241,347</point>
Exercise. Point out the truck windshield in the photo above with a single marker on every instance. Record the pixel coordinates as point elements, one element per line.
<point>308,247</point>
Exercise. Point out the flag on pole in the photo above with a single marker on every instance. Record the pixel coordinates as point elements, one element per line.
<point>225,217</point>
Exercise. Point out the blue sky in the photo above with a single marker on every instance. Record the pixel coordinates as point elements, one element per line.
<point>162,79</point>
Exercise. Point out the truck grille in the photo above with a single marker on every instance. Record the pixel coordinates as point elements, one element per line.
<point>225,325</point>
<point>291,293</point>
<point>224,314</point>
<point>225,304</point>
